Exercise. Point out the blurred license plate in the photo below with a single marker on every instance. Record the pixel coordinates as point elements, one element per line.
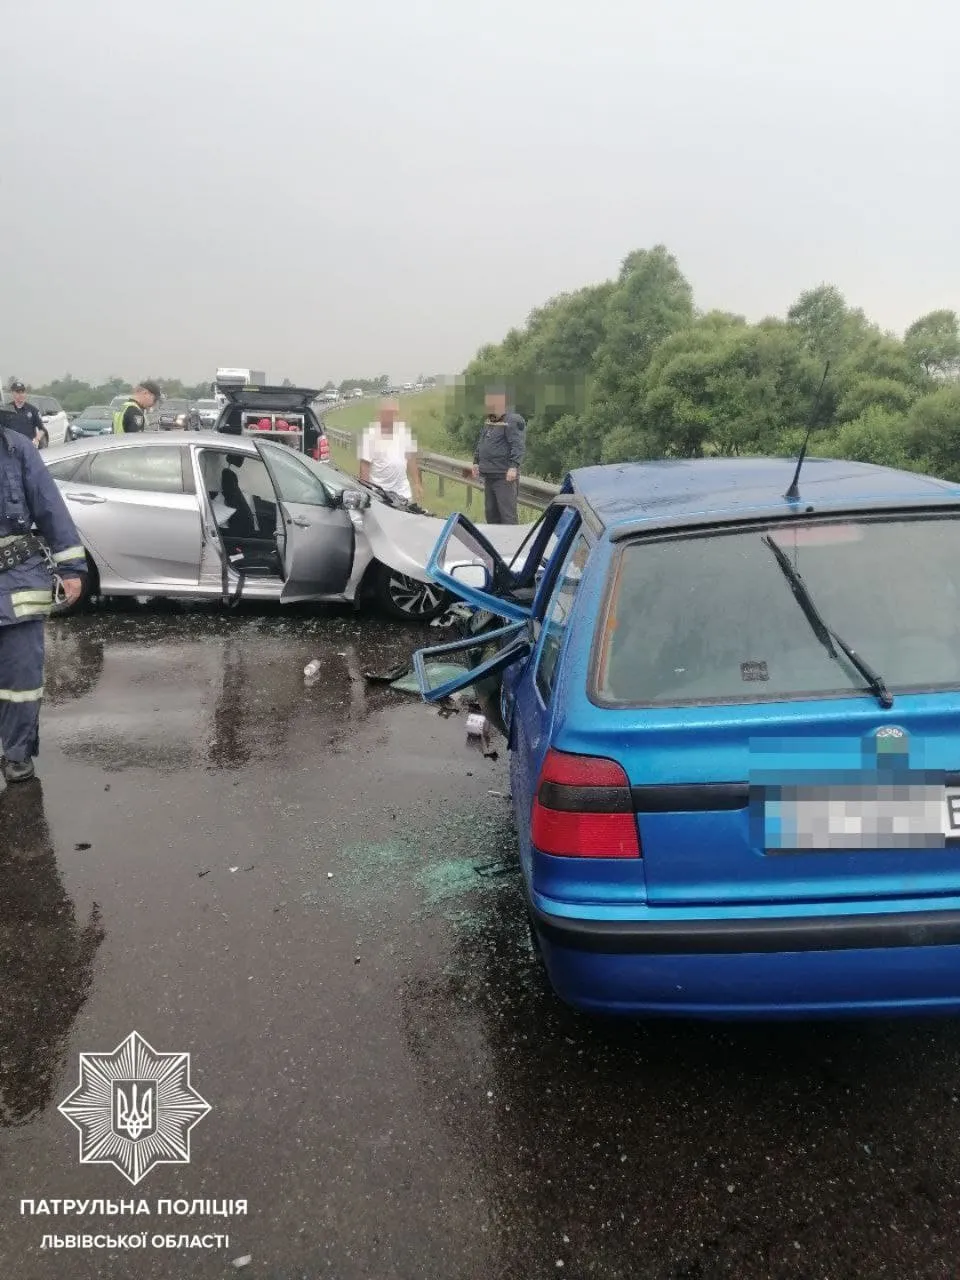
<point>864,818</point>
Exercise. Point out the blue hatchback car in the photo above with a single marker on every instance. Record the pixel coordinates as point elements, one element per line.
<point>733,714</point>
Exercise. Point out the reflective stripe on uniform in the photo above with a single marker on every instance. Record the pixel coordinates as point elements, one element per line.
<point>11,537</point>
<point>31,595</point>
<point>31,604</point>
<point>33,611</point>
<point>21,695</point>
<point>71,553</point>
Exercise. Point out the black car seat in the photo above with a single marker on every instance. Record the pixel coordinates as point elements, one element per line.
<point>241,523</point>
<point>252,551</point>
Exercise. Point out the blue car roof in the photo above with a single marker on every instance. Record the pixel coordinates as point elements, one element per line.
<point>681,491</point>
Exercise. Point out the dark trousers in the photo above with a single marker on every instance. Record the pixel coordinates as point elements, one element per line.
<point>21,689</point>
<point>500,499</point>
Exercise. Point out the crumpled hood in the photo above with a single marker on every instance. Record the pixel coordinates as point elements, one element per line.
<point>405,542</point>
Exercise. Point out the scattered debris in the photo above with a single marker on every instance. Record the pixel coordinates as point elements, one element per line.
<point>201,874</point>
<point>499,868</point>
<point>477,726</point>
<point>244,1261</point>
<point>312,668</point>
<point>356,959</point>
<point>329,875</point>
<point>81,845</point>
<point>502,794</point>
<point>388,677</point>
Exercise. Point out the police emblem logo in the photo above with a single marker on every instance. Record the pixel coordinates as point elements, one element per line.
<point>134,1108</point>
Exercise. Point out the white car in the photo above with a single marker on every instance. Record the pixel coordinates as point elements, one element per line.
<point>55,420</point>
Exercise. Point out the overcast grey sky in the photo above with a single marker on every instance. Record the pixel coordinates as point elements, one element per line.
<point>346,187</point>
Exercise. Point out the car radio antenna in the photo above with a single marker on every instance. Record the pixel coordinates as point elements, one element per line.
<point>793,493</point>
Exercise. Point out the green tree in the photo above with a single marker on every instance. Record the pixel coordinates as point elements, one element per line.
<point>932,433</point>
<point>828,327</point>
<point>934,342</point>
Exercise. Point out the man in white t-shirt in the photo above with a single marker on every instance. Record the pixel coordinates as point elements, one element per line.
<point>388,455</point>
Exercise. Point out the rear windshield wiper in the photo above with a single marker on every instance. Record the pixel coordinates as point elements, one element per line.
<point>827,637</point>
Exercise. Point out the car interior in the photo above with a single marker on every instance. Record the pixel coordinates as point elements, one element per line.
<point>244,503</point>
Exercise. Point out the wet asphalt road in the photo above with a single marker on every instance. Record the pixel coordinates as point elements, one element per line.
<point>311,891</point>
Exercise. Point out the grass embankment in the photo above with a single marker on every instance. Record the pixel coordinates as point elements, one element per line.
<point>425,414</point>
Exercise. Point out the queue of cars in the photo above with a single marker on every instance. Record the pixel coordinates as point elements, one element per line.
<point>732,712</point>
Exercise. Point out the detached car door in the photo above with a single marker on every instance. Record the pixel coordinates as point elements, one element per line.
<point>315,537</point>
<point>136,508</point>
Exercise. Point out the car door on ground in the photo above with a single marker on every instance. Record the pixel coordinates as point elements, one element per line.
<point>137,511</point>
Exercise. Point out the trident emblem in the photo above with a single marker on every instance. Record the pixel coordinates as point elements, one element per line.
<point>134,1108</point>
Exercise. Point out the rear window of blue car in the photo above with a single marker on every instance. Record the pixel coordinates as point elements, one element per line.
<point>714,618</point>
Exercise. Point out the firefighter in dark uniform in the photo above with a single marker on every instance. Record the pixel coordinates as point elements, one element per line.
<point>131,416</point>
<point>28,497</point>
<point>26,416</point>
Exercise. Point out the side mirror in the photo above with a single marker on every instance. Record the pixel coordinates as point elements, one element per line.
<point>353,500</point>
<point>472,575</point>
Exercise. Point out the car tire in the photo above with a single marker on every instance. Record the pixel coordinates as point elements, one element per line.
<point>408,599</point>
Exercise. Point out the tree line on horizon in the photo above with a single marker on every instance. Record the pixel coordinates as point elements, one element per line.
<point>631,370</point>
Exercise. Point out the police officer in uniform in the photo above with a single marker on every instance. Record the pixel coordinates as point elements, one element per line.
<point>28,497</point>
<point>131,415</point>
<point>26,416</point>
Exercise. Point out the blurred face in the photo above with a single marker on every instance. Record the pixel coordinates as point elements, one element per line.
<point>146,399</point>
<point>496,404</point>
<point>389,413</point>
<point>19,397</point>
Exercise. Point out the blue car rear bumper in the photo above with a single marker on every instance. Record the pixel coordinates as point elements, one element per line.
<point>837,966</point>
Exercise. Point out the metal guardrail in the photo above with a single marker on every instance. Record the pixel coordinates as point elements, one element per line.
<point>534,493</point>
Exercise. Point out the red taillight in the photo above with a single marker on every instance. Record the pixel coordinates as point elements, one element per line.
<point>583,809</point>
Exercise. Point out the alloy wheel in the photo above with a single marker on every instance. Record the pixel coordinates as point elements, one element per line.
<point>412,596</point>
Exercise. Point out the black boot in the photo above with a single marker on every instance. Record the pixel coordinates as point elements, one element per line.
<point>18,770</point>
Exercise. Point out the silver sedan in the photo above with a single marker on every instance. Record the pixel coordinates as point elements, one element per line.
<point>209,516</point>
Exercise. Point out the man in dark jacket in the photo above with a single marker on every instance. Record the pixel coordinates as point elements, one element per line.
<point>26,417</point>
<point>497,459</point>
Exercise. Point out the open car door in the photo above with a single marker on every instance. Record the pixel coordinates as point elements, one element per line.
<point>315,537</point>
<point>467,564</point>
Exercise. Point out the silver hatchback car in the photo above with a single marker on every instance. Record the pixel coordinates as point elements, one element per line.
<point>207,516</point>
